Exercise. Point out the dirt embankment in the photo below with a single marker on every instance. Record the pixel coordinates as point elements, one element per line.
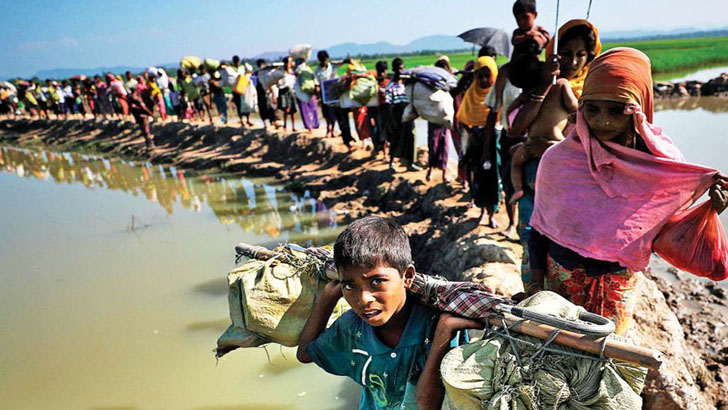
<point>444,231</point>
<point>716,87</point>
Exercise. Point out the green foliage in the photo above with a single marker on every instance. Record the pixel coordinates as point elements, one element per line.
<point>681,54</point>
<point>668,56</point>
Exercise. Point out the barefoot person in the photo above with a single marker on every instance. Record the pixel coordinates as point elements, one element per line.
<point>286,96</point>
<point>438,136</point>
<point>479,145</point>
<point>605,192</point>
<point>402,143</point>
<point>140,111</point>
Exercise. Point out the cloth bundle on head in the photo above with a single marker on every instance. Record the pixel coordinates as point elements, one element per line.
<point>473,112</point>
<point>434,77</point>
<point>604,200</point>
<point>577,82</point>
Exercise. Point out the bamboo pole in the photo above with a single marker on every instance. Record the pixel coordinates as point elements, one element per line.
<point>621,351</point>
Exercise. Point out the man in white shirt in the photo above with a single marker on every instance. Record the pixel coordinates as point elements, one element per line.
<point>325,71</point>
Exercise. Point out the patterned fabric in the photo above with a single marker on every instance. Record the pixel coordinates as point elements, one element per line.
<point>613,296</point>
<point>395,93</point>
<point>467,299</point>
<point>437,146</point>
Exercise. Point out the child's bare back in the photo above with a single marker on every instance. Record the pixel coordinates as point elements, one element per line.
<point>552,118</point>
<point>543,113</point>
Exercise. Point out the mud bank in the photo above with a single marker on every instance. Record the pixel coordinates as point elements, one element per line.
<point>716,87</point>
<point>445,235</point>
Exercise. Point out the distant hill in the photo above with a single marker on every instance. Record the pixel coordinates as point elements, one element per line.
<point>436,43</point>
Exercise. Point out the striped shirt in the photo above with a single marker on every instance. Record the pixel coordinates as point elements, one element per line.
<point>395,93</point>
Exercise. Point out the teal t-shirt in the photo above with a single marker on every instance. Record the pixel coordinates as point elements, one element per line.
<point>388,376</point>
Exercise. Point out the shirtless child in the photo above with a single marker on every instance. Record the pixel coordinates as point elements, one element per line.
<point>542,110</point>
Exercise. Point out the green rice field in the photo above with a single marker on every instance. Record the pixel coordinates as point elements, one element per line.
<point>668,56</point>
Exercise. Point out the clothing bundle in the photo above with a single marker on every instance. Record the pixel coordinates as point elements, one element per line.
<point>429,97</point>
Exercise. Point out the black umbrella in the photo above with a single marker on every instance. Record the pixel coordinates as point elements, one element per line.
<point>487,36</point>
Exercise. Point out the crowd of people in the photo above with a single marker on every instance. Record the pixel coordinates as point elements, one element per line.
<point>608,180</point>
<point>573,143</point>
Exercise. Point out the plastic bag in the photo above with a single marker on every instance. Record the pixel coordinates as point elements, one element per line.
<point>301,51</point>
<point>190,62</point>
<point>306,79</point>
<point>229,76</point>
<point>212,64</point>
<point>269,77</point>
<point>241,85</point>
<point>364,89</point>
<point>694,240</point>
<point>435,106</point>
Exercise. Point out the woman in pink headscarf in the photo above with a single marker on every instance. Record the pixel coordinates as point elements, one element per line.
<point>118,91</point>
<point>605,192</point>
<point>141,111</point>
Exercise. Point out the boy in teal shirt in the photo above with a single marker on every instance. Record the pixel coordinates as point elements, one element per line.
<point>387,343</point>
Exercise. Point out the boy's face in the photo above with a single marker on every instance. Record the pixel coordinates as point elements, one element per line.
<point>607,120</point>
<point>377,294</point>
<point>525,20</point>
<point>573,55</point>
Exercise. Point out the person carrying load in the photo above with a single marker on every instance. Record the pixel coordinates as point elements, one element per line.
<point>387,343</point>
<point>406,321</point>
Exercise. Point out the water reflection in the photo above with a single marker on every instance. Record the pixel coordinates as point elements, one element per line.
<point>257,208</point>
<point>710,104</point>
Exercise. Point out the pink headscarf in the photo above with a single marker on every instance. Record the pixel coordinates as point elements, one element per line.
<point>607,201</point>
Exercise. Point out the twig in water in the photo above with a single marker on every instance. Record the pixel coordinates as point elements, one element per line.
<point>133,227</point>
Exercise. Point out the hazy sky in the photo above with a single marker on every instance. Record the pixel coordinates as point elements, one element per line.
<point>37,34</point>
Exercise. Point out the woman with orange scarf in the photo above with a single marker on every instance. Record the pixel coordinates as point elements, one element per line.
<point>605,192</point>
<point>578,46</point>
<point>479,145</point>
<point>574,64</point>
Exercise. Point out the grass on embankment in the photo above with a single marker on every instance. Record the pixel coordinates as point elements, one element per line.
<point>667,56</point>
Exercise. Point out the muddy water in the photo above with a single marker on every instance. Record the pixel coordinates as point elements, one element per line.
<point>113,290</point>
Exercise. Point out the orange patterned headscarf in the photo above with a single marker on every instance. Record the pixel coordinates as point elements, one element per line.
<point>577,83</point>
<point>473,112</point>
<point>623,75</point>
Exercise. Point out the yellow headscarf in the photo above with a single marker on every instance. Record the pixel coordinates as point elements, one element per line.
<point>577,83</point>
<point>473,112</point>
